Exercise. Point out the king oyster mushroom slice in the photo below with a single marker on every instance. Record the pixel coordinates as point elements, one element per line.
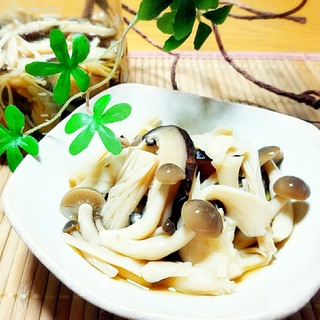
<point>251,213</point>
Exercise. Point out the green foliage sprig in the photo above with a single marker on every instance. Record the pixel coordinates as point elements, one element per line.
<point>13,139</point>
<point>178,17</point>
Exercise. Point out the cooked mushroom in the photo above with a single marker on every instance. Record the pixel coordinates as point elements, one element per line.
<point>251,213</point>
<point>153,248</point>
<point>291,187</point>
<point>71,230</point>
<point>171,149</point>
<point>270,152</point>
<point>87,225</point>
<point>177,164</point>
<point>288,188</point>
<point>73,199</point>
<point>202,217</point>
<point>282,224</point>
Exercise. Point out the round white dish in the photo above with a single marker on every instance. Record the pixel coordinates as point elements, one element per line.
<point>32,196</point>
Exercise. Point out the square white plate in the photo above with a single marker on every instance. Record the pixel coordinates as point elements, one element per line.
<point>32,196</point>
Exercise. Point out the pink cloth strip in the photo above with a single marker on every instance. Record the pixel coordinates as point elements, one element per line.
<point>234,55</point>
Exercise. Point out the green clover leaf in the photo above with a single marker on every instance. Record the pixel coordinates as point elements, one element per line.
<point>97,123</point>
<point>12,139</point>
<point>67,66</point>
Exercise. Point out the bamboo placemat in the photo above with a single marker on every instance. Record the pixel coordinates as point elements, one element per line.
<point>29,291</point>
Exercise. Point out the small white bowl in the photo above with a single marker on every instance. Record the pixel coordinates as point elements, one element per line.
<point>32,196</point>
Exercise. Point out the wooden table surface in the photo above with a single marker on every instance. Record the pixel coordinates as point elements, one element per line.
<point>280,52</point>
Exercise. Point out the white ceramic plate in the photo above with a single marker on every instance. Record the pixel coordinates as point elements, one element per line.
<point>32,196</point>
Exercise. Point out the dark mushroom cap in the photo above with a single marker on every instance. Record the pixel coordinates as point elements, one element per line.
<point>169,173</point>
<point>202,217</point>
<point>270,152</point>
<point>291,187</point>
<point>71,226</point>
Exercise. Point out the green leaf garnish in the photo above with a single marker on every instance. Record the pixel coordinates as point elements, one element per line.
<point>184,19</point>
<point>178,17</point>
<point>166,21</point>
<point>218,16</point>
<point>207,4</point>
<point>202,34</point>
<point>97,123</point>
<point>151,9</point>
<point>12,139</point>
<point>67,66</point>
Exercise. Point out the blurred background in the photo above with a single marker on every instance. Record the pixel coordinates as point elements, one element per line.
<point>274,35</point>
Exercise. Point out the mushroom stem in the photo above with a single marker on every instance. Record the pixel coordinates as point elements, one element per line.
<point>104,254</point>
<point>87,226</point>
<point>282,223</point>
<point>72,231</point>
<point>155,271</point>
<point>154,248</point>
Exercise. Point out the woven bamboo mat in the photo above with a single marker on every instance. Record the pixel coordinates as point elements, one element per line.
<point>29,291</point>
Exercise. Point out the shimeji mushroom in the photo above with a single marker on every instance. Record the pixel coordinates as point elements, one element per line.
<point>171,148</point>
<point>73,199</point>
<point>143,227</point>
<point>81,204</point>
<point>282,223</point>
<point>282,189</point>
<point>176,154</point>
<point>288,188</point>
<point>177,166</point>
<point>202,217</point>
